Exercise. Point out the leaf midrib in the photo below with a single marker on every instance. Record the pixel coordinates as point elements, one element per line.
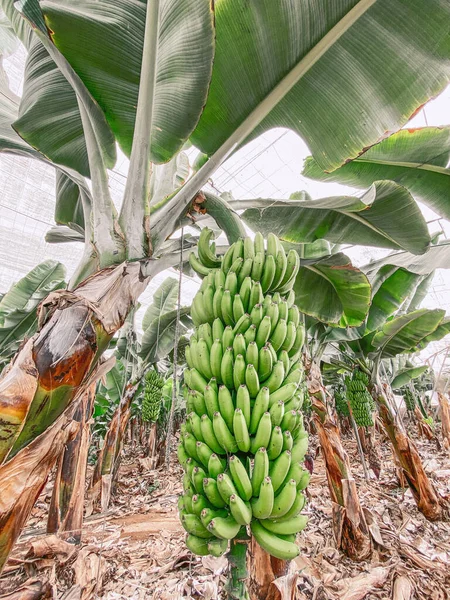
<point>405,164</point>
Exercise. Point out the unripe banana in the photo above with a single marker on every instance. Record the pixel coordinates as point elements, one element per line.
<point>208,514</point>
<point>197,266</point>
<point>292,268</point>
<point>226,406</point>
<point>226,307</point>
<point>238,308</point>
<point>289,340</point>
<point>289,420</point>
<point>240,430</point>
<point>287,440</point>
<point>294,376</point>
<point>285,499</point>
<point>260,470</point>
<point>294,511</point>
<point>192,524</point>
<point>283,394</point>
<point>259,408</point>
<point>197,381</point>
<point>250,334</point>
<point>258,266</point>
<point>279,335</point>
<point>203,359</point>
<point>217,329</point>
<point>236,266</point>
<point>182,455</point>
<point>283,310</point>
<point>276,412</point>
<point>239,371</point>
<point>199,502</point>
<point>206,256</point>
<point>228,337</point>
<point>223,434</point>
<point>239,345</point>
<point>243,402</point>
<point>228,259</point>
<point>190,445</point>
<point>257,314</point>
<point>198,474</point>
<point>225,486</point>
<point>243,324</point>
<point>256,294</point>
<point>263,333</point>
<point>299,449</point>
<point>196,545</point>
<point>225,528</point>
<point>217,547</point>
<point>276,443</point>
<point>262,505</point>
<point>238,249</point>
<point>293,525</point>
<point>249,248</point>
<point>294,315</point>
<point>215,465</point>
<point>187,352</point>
<point>204,452</point>
<point>267,302</point>
<point>252,380</point>
<point>212,493</point>
<point>245,291</point>
<point>219,279</point>
<point>208,297</point>
<point>191,463</point>
<point>276,377</point>
<point>241,511</point>
<point>272,245</point>
<point>245,272</point>
<point>274,314</point>
<point>198,402</point>
<point>259,243</point>
<point>262,437</point>
<point>265,363</point>
<point>209,435</point>
<point>226,368</point>
<point>231,283</point>
<point>217,303</point>
<point>273,544</point>
<point>280,264</point>
<point>240,478</point>
<point>279,468</point>
<point>304,481</point>
<point>268,273</point>
<point>272,351</point>
<point>211,401</point>
<point>299,341</point>
<point>252,355</point>
<point>188,488</point>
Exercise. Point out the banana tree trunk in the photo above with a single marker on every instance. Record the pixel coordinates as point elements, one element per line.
<point>106,467</point>
<point>430,504</point>
<point>44,379</point>
<point>349,523</point>
<point>269,577</point>
<point>67,504</point>
<point>445,419</point>
<point>152,444</point>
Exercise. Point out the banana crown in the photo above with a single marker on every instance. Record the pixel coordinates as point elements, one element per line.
<point>243,444</point>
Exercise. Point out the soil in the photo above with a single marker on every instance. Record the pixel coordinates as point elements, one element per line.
<point>135,551</point>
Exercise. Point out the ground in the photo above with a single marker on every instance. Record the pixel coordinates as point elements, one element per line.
<point>136,550</point>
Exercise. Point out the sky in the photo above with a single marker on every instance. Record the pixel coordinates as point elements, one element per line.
<point>270,167</point>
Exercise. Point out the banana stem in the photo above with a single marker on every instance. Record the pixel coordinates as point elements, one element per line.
<point>237,561</point>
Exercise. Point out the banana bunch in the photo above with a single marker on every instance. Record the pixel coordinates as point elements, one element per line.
<point>410,399</point>
<point>340,401</point>
<point>151,401</point>
<point>243,442</point>
<point>361,401</point>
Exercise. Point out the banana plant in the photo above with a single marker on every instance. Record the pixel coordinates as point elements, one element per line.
<point>89,84</point>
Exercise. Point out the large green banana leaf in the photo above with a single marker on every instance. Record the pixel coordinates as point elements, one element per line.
<point>103,42</point>
<point>437,257</point>
<point>159,338</point>
<point>385,216</point>
<point>164,300</point>
<point>333,291</point>
<point>415,158</point>
<point>404,333</point>
<point>404,376</point>
<point>339,73</point>
<point>18,317</point>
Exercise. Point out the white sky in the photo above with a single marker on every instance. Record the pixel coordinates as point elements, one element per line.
<point>267,167</point>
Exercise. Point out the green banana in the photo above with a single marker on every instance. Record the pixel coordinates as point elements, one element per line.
<point>204,251</point>
<point>260,469</point>
<point>287,440</point>
<point>276,443</point>
<point>285,499</point>
<point>217,303</point>
<point>263,333</point>
<point>244,291</point>
<point>217,329</point>
<point>283,310</point>
<point>239,371</point>
<point>199,502</point>
<point>211,401</point>
<point>241,511</point>
<point>190,446</point>
<point>294,315</point>
<point>223,434</point>
<point>198,402</point>
<point>203,358</point>
<point>212,493</point>
<point>262,437</point>
<point>240,477</point>
<point>258,266</point>
<point>219,279</point>
<point>197,545</point>
<point>226,368</point>
<point>289,340</point>
<point>276,377</point>
<point>208,297</point>
<point>208,514</point>
<point>262,505</point>
<point>274,314</point>
<point>249,248</point>
<point>257,314</point>
<point>252,355</point>
<point>228,337</point>
<point>268,273</point>
<point>197,266</point>
<point>243,402</point>
<point>283,394</point>
<point>217,547</point>
<point>252,380</point>
<point>226,406</point>
<point>245,273</point>
<point>272,544</point>
<point>292,525</point>
<point>265,363</point>
<point>250,334</point>
<point>215,465</point>
<point>299,341</point>
<point>205,332</point>
<point>216,356</point>
<point>279,469</point>
<point>225,486</point>
<point>198,474</point>
<point>181,454</point>
<point>281,264</point>
<point>192,524</point>
<point>299,449</point>
<point>231,283</point>
<point>187,353</point>
<point>197,381</point>
<point>238,251</point>
<point>225,528</point>
<point>237,266</point>
<point>295,509</point>
<point>240,431</point>
<point>276,412</point>
<point>272,245</point>
<point>278,336</point>
<point>203,452</point>
<point>227,259</point>
<point>207,429</point>
<point>226,306</point>
<point>256,294</point>
<point>259,243</point>
<point>238,308</point>
<point>243,324</point>
<point>289,420</point>
<point>259,408</point>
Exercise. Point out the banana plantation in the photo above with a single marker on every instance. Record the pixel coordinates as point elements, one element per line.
<point>224,299</point>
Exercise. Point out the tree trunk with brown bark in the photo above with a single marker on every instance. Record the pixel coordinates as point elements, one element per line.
<point>45,378</point>
<point>269,577</point>
<point>67,503</point>
<point>430,504</point>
